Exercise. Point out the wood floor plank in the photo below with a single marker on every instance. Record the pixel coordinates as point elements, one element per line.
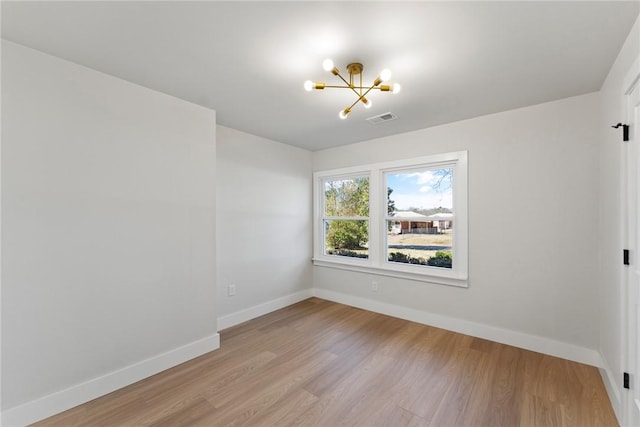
<point>162,404</point>
<point>296,403</point>
<point>319,363</point>
<point>440,372</point>
<point>396,417</point>
<point>186,415</point>
<point>456,401</point>
<point>506,385</point>
<point>244,411</point>
<point>335,405</point>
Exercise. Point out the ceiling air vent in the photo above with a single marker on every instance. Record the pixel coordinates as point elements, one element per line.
<point>381,118</point>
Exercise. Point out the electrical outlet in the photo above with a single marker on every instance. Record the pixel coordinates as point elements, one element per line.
<point>231,290</point>
<point>374,286</point>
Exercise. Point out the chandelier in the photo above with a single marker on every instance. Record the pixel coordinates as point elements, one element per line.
<point>354,84</point>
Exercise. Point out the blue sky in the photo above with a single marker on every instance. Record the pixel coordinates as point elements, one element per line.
<point>419,189</point>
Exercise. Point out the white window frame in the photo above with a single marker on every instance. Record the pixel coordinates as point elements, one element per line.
<point>324,217</point>
<point>377,263</point>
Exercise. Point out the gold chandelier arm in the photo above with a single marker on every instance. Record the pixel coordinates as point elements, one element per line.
<point>339,87</point>
<point>360,98</point>
<point>364,94</point>
<point>382,88</point>
<point>350,85</point>
<point>342,78</point>
<point>354,83</point>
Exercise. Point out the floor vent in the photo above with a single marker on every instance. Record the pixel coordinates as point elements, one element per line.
<point>381,118</point>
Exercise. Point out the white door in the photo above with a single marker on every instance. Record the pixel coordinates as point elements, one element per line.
<point>632,293</point>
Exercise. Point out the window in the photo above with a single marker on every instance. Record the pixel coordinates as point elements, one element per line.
<point>405,219</point>
<point>345,219</point>
<point>420,216</point>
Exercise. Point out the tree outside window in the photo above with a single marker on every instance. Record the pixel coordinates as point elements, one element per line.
<point>346,209</point>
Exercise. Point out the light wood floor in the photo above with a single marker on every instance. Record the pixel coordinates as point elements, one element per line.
<point>326,364</point>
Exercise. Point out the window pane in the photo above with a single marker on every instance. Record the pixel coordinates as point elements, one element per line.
<point>347,197</point>
<point>348,238</point>
<point>421,205</point>
<point>424,244</point>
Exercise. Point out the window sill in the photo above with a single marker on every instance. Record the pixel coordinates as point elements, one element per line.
<point>460,282</point>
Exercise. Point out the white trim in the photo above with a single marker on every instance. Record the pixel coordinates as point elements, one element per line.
<point>630,405</point>
<point>262,309</point>
<point>505,336</point>
<point>60,401</point>
<point>632,77</point>
<point>377,263</point>
<point>612,389</point>
<point>460,282</point>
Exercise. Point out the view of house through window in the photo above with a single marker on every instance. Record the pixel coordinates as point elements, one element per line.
<point>346,217</point>
<point>420,217</point>
<point>404,218</point>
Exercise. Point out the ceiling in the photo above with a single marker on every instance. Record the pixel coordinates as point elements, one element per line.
<point>249,60</point>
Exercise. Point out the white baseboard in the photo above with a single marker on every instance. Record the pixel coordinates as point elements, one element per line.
<point>60,401</point>
<point>55,403</point>
<point>610,384</point>
<point>262,309</point>
<point>492,333</point>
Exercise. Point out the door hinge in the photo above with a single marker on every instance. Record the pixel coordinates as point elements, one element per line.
<point>625,131</point>
<point>625,256</point>
<point>625,380</point>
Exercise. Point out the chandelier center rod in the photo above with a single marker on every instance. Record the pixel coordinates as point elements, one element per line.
<point>355,69</point>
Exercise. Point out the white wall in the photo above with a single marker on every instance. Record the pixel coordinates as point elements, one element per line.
<point>112,275</point>
<point>532,231</point>
<point>610,240</point>
<point>108,216</point>
<point>263,225</point>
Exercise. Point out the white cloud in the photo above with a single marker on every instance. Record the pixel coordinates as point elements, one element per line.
<point>423,201</point>
<point>422,177</point>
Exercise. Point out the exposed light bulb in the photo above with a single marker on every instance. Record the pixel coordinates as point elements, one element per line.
<point>385,74</point>
<point>308,85</point>
<point>367,103</point>
<point>343,114</point>
<point>327,64</point>
<point>396,88</point>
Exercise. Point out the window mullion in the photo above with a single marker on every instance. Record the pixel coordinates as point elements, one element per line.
<point>374,217</point>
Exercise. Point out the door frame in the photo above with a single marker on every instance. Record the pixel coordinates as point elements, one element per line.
<point>631,212</point>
